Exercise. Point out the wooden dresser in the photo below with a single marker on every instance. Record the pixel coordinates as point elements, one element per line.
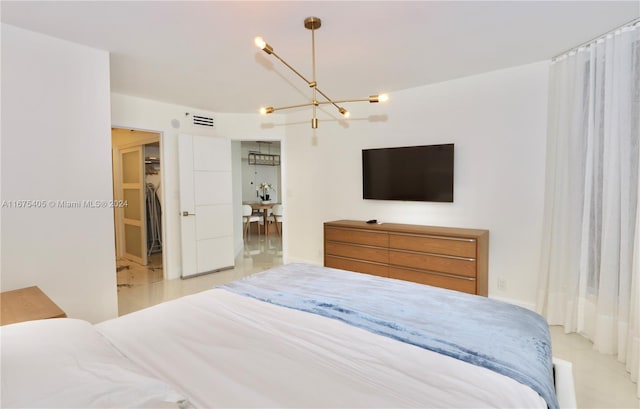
<point>446,257</point>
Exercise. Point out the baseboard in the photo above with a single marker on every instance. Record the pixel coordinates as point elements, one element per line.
<point>291,260</point>
<point>528,306</point>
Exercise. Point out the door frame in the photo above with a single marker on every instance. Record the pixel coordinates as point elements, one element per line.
<point>118,213</point>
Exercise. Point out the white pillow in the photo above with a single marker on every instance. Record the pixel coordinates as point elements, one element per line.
<point>66,363</point>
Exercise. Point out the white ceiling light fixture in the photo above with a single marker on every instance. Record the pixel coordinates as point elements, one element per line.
<point>312,23</point>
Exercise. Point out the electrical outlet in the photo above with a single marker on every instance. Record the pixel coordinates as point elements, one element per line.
<point>502,284</point>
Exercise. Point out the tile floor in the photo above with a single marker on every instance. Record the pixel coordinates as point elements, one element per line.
<point>600,380</point>
<point>142,286</point>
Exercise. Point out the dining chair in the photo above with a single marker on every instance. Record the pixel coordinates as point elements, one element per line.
<point>277,216</point>
<point>249,217</point>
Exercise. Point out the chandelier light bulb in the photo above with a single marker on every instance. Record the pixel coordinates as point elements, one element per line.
<point>260,43</point>
<point>345,113</point>
<point>378,98</point>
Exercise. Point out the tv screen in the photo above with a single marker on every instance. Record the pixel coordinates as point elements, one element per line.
<point>412,173</point>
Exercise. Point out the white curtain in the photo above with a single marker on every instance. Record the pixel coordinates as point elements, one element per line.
<point>590,263</point>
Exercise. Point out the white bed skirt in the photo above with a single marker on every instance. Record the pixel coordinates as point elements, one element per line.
<point>565,389</point>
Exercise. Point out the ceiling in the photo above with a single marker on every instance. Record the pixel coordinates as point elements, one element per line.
<point>201,53</point>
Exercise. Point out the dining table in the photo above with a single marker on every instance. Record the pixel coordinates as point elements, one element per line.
<point>264,208</point>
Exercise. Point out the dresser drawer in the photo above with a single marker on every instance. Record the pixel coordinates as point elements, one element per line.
<point>371,238</point>
<point>451,246</point>
<point>436,280</point>
<point>361,252</point>
<point>443,264</point>
<point>356,265</point>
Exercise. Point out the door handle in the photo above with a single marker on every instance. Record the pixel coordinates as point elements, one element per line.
<point>188,214</point>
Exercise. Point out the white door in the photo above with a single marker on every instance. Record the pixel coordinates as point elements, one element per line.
<point>206,204</point>
<point>133,215</point>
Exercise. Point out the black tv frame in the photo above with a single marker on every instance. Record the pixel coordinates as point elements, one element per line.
<point>423,173</point>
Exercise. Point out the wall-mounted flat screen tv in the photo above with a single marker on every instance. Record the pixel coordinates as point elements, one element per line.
<point>412,173</point>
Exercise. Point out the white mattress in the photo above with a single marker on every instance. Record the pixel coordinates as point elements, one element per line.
<point>220,349</point>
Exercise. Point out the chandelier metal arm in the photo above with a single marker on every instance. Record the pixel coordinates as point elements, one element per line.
<point>342,101</point>
<point>292,69</point>
<point>329,100</point>
<point>308,104</point>
<point>314,119</point>
<point>311,84</point>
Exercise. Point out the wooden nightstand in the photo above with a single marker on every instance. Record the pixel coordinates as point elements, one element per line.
<point>27,304</point>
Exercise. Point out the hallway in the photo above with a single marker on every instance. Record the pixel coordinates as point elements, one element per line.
<point>143,286</point>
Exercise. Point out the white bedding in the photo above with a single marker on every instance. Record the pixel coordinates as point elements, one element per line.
<point>66,363</point>
<point>224,350</point>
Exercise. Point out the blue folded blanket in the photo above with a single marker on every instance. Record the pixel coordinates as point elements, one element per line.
<point>502,337</point>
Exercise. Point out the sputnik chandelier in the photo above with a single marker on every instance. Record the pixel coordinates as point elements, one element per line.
<point>312,23</point>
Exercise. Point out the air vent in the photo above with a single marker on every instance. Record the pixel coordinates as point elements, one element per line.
<point>203,121</point>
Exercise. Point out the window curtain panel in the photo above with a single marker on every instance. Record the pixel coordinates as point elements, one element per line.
<point>590,262</point>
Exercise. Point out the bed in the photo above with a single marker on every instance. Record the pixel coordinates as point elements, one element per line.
<point>297,335</point>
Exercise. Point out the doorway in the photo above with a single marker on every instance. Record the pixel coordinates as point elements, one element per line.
<point>138,223</point>
<point>262,190</point>
<point>261,164</point>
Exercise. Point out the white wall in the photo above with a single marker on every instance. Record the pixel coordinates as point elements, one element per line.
<point>171,120</point>
<point>498,124</point>
<point>56,145</point>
